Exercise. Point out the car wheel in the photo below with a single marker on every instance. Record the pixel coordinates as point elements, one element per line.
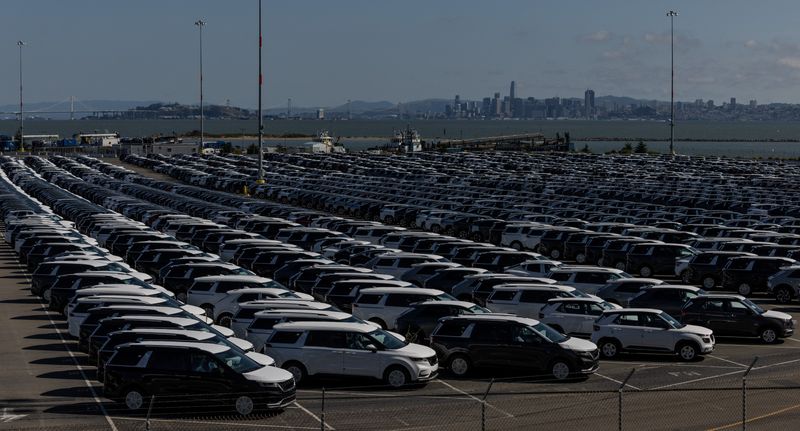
<point>620,266</point>
<point>709,283</point>
<point>555,254</point>
<point>560,370</point>
<point>744,289</point>
<point>225,320</point>
<point>646,271</point>
<point>244,405</point>
<point>181,297</point>
<point>687,351</point>
<point>380,322</point>
<point>609,348</point>
<point>396,377</point>
<point>783,294</point>
<point>134,399</point>
<point>516,245</point>
<point>580,258</point>
<point>459,365</point>
<point>298,371</point>
<point>769,335</point>
<point>46,295</point>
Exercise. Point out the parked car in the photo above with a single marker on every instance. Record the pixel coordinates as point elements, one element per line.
<point>421,318</point>
<point>647,330</point>
<point>206,373</point>
<point>621,290</point>
<point>466,342</point>
<point>749,274</point>
<point>588,279</point>
<point>350,349</point>
<point>574,316</point>
<point>382,305</point>
<point>785,284</point>
<point>737,316</point>
<point>666,297</point>
<point>705,268</point>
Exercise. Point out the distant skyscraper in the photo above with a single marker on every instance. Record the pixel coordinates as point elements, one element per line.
<point>497,105</point>
<point>733,103</point>
<point>511,96</point>
<point>588,104</point>
<point>753,103</point>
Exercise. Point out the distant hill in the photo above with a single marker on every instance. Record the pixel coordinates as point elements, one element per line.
<point>360,106</point>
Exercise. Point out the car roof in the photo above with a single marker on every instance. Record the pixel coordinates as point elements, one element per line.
<point>302,312</point>
<point>494,317</point>
<point>212,348</point>
<point>242,278</point>
<point>286,302</point>
<point>674,286</point>
<point>577,299</point>
<point>180,321</point>
<point>636,280</point>
<point>189,333</point>
<point>326,326</point>
<point>633,310</point>
<point>721,296</point>
<point>533,286</point>
<point>117,289</point>
<point>464,304</point>
<point>411,290</point>
<point>577,268</point>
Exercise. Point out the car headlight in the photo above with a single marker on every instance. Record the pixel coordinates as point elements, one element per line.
<point>270,385</point>
<point>420,360</point>
<point>706,339</point>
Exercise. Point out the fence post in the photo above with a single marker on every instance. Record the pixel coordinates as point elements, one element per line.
<point>619,398</point>
<point>744,393</point>
<point>322,414</point>
<point>483,405</point>
<point>149,411</point>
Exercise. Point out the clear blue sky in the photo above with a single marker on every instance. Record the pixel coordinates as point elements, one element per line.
<point>325,52</point>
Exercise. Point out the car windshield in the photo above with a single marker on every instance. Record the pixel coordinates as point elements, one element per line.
<point>477,309</point>
<point>674,323</point>
<point>116,267</point>
<point>753,306</point>
<point>579,294</point>
<point>445,297</point>
<point>273,284</point>
<point>288,295</point>
<point>549,333</point>
<point>238,362</point>
<point>242,271</point>
<point>386,339</point>
<point>607,305</point>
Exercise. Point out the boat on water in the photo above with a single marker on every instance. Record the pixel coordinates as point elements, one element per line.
<point>407,141</point>
<point>324,143</point>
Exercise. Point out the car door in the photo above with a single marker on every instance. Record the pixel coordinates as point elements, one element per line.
<point>592,312</point>
<point>741,318</point>
<point>528,349</point>
<point>167,372</point>
<point>358,360</point>
<point>569,316</point>
<point>656,332</point>
<point>628,330</point>
<point>490,343</point>
<point>323,352</point>
<point>207,375</point>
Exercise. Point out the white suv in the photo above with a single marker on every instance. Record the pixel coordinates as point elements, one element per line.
<point>588,279</point>
<point>649,330</point>
<point>574,316</point>
<point>527,300</point>
<point>224,309</point>
<point>350,349</point>
<point>383,305</point>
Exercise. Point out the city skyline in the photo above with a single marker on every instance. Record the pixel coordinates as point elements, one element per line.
<point>322,54</point>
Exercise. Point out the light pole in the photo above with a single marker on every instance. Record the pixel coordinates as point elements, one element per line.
<point>672,14</point>
<point>20,44</point>
<point>260,179</point>
<point>200,23</point>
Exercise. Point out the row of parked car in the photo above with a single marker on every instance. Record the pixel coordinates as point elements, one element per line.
<point>369,287</point>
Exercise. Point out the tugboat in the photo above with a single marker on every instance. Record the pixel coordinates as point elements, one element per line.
<point>407,141</point>
<point>323,143</point>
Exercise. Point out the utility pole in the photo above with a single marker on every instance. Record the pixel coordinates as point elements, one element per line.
<point>672,14</point>
<point>200,23</point>
<point>289,109</point>
<point>72,107</point>
<point>21,110</point>
<point>260,115</point>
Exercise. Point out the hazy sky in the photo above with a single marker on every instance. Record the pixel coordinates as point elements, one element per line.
<point>325,52</point>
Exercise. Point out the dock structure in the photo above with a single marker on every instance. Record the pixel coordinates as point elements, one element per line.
<point>518,142</point>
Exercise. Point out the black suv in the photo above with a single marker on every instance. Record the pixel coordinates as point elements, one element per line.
<point>705,268</point>
<point>199,374</point>
<point>736,316</point>
<point>656,259</point>
<point>665,297</point>
<point>421,319</point>
<point>749,274</point>
<point>476,341</point>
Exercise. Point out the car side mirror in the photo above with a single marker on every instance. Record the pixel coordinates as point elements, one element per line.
<point>372,348</point>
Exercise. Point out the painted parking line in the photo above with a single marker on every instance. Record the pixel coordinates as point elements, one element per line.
<point>753,419</point>
<point>619,382</point>
<point>378,395</point>
<point>316,418</point>
<point>507,414</point>
<point>727,360</point>
<point>215,423</point>
<point>64,342</point>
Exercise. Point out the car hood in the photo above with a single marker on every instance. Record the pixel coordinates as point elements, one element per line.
<point>694,329</point>
<point>197,311</point>
<point>223,330</point>
<point>242,344</point>
<point>578,345</point>
<point>777,315</point>
<point>416,351</point>
<point>261,358</point>
<point>305,296</point>
<point>268,375</point>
